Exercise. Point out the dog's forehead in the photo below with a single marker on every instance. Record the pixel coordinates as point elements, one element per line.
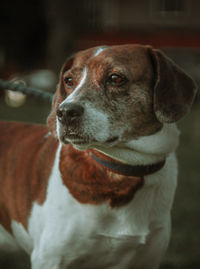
<point>134,57</point>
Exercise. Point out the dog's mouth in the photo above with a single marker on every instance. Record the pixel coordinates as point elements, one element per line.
<point>112,139</point>
<point>79,140</point>
<point>73,138</point>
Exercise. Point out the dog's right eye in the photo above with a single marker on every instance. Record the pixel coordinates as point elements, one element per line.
<point>117,80</point>
<point>69,82</point>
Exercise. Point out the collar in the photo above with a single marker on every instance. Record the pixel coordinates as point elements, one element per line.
<point>125,169</point>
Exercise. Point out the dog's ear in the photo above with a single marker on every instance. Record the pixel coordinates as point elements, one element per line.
<point>174,91</point>
<point>58,97</point>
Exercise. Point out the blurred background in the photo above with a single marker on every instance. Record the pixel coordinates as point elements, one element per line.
<point>37,35</point>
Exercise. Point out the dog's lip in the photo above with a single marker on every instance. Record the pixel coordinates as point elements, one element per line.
<point>81,140</point>
<point>75,139</point>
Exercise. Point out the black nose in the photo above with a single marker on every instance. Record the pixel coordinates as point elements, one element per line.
<point>68,112</point>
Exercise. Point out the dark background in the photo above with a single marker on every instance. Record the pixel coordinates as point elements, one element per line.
<point>37,35</point>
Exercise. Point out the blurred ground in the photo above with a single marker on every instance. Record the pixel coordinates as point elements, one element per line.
<point>184,248</point>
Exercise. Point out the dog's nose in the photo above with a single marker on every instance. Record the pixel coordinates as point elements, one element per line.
<point>69,112</point>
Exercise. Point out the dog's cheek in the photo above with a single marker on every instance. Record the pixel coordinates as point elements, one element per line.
<point>96,123</point>
<point>118,116</point>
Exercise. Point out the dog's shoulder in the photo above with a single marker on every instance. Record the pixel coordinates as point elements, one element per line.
<point>19,133</point>
<point>25,149</point>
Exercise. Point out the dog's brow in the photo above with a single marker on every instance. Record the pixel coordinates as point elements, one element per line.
<point>74,70</point>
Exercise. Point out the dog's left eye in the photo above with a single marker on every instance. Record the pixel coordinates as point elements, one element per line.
<point>69,82</point>
<point>117,80</point>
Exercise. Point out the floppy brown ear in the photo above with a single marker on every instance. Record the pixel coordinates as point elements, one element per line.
<point>58,97</point>
<point>174,91</point>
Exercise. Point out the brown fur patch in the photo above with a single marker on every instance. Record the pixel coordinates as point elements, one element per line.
<point>26,159</point>
<point>89,183</point>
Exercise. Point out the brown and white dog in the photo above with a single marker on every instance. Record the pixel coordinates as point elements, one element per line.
<point>95,188</point>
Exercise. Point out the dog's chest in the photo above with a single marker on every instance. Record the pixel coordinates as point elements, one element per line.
<point>86,237</point>
<point>83,234</point>
<point>99,251</point>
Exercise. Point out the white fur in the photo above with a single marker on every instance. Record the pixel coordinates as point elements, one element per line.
<point>147,149</point>
<point>99,51</point>
<point>58,128</point>
<point>96,123</point>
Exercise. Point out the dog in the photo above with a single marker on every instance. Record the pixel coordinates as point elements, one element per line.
<point>94,189</point>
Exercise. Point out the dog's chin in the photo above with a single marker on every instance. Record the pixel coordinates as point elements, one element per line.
<point>94,143</point>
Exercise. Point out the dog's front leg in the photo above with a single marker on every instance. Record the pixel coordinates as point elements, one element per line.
<point>150,255</point>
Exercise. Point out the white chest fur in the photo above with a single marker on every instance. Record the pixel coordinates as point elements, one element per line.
<point>66,232</point>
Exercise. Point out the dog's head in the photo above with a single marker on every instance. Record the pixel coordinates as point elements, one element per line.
<point>110,95</point>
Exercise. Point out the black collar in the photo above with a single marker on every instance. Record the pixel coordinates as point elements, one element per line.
<point>126,169</point>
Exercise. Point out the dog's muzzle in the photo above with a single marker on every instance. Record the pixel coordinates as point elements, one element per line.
<point>70,117</point>
<point>80,124</point>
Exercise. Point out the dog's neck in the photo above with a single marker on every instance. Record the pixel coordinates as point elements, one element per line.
<point>90,183</point>
<point>145,150</point>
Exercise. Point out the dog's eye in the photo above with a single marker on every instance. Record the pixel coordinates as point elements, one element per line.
<point>117,80</point>
<point>69,82</point>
